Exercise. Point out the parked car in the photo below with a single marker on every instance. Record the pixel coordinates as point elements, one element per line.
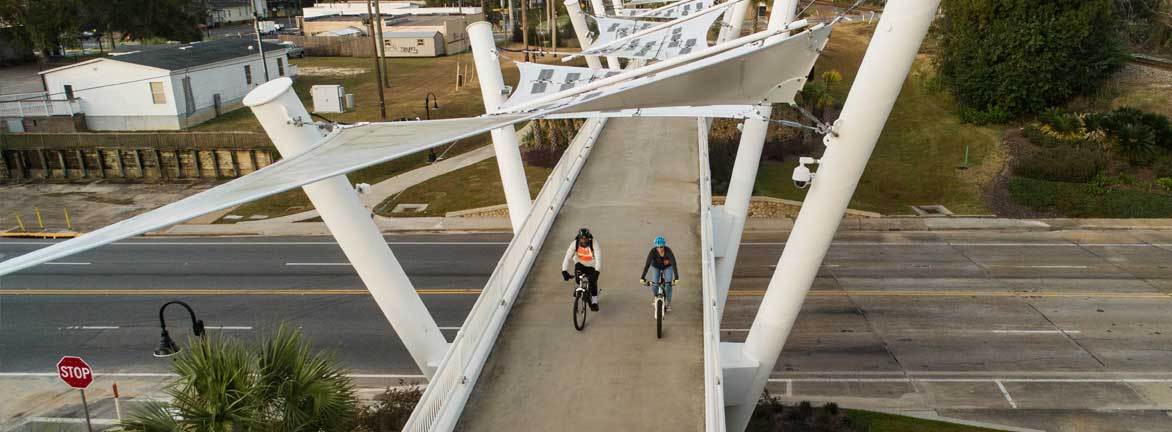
<point>294,50</point>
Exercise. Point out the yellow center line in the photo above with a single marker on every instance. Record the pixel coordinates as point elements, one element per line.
<point>452,291</point>
<point>910,293</point>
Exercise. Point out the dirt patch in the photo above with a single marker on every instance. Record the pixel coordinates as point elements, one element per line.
<point>89,205</point>
<point>996,192</point>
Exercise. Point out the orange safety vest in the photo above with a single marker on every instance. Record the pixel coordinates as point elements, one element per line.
<point>585,255</point>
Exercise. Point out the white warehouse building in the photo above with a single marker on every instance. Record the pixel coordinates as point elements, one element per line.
<point>166,87</point>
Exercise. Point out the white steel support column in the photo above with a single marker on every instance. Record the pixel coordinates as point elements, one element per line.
<point>504,140</point>
<point>582,30</point>
<point>284,118</point>
<point>612,62</point>
<point>744,175</point>
<point>881,75</point>
<point>618,5</point>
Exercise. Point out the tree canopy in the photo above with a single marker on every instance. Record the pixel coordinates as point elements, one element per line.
<point>1011,57</point>
<point>49,24</point>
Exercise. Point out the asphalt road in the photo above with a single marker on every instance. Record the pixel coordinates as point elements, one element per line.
<point>1005,326</point>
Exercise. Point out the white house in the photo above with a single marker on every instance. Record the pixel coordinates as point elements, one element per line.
<point>167,87</point>
<point>232,11</point>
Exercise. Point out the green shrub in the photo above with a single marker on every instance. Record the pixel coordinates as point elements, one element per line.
<point>390,410</point>
<point>1079,200</point>
<point>992,114</point>
<point>1065,164</point>
<point>1165,183</point>
<point>1060,120</point>
<point>1024,56</point>
<point>1136,142</point>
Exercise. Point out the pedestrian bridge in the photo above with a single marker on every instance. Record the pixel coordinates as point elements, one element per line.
<point>638,168</point>
<point>641,180</point>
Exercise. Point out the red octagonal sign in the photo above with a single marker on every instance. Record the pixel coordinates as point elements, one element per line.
<point>75,372</point>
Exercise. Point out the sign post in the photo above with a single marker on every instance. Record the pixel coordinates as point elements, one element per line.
<point>76,373</point>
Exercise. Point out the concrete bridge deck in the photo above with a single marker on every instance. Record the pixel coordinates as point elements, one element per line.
<point>641,180</point>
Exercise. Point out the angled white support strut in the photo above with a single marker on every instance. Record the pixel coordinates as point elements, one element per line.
<point>581,29</point>
<point>504,140</point>
<point>744,175</point>
<point>881,75</point>
<point>288,124</point>
<point>599,7</point>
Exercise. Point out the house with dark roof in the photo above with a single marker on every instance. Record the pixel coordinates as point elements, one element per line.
<point>167,87</point>
<point>234,11</point>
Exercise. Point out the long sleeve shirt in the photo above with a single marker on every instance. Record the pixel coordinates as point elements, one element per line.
<point>660,262</point>
<point>589,255</point>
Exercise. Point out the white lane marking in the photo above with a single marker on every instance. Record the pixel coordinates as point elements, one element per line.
<point>228,327</point>
<point>315,264</point>
<point>742,330</point>
<point>97,421</point>
<point>1039,266</point>
<point>166,375</point>
<point>1006,393</point>
<point>91,328</point>
<point>977,380</point>
<point>67,263</point>
<point>449,328</point>
<point>973,244</point>
<point>416,243</point>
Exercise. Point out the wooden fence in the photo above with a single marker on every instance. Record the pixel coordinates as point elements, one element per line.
<point>322,46</point>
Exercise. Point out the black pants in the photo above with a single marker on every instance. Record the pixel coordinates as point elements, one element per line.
<point>591,277</point>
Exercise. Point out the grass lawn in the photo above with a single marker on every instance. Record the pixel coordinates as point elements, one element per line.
<point>411,80</point>
<point>475,186</point>
<point>917,154</point>
<point>879,422</point>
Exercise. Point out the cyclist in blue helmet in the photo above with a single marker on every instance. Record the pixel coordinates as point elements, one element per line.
<point>663,259</point>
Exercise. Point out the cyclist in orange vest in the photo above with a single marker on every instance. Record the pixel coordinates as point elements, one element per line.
<point>586,255</point>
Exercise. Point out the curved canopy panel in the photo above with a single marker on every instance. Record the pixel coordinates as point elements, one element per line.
<point>770,73</point>
<point>340,152</point>
<point>674,10</point>
<point>539,80</point>
<point>753,74</point>
<point>664,43</point>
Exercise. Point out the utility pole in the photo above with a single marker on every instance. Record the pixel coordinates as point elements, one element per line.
<point>378,71</point>
<point>525,26</point>
<point>554,26</point>
<point>259,45</point>
<point>382,53</point>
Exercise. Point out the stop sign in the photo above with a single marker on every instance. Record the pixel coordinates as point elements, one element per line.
<point>75,372</point>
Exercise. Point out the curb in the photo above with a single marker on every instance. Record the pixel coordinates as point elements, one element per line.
<point>931,415</point>
<point>40,235</point>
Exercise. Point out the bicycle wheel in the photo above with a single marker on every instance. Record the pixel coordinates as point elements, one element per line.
<point>580,311</point>
<point>658,317</point>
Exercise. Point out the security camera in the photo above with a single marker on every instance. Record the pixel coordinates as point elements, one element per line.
<point>802,176</point>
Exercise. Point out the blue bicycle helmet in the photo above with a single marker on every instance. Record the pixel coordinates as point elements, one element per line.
<point>660,242</point>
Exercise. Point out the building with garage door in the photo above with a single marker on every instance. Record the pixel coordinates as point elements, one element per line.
<point>166,87</point>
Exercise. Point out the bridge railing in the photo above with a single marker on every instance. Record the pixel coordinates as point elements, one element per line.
<point>440,407</point>
<point>713,375</point>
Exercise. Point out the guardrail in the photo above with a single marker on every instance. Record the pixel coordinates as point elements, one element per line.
<point>442,403</point>
<point>40,108</point>
<point>713,374</point>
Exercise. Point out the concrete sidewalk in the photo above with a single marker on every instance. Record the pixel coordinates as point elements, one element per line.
<point>640,181</point>
<point>380,191</point>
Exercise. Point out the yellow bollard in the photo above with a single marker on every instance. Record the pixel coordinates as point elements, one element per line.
<point>19,221</point>
<point>39,221</point>
<point>67,223</point>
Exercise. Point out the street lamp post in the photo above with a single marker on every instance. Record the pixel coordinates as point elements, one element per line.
<point>167,347</point>
<point>434,103</point>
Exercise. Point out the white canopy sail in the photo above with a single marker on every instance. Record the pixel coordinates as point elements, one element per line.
<point>771,72</point>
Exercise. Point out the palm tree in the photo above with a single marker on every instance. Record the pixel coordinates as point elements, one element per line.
<point>224,386</point>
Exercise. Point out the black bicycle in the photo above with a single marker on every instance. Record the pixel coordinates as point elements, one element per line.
<point>659,303</point>
<point>581,300</point>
